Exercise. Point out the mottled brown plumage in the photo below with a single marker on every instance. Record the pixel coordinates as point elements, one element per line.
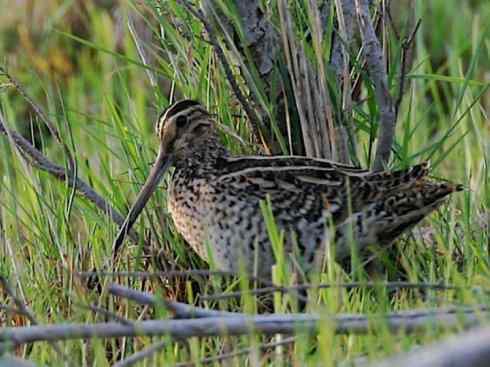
<point>214,198</point>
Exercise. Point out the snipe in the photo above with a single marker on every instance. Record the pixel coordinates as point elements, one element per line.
<point>214,198</point>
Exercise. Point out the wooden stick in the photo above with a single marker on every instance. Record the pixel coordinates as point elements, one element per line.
<point>180,310</point>
<point>353,285</point>
<point>466,349</point>
<point>141,355</point>
<point>408,322</point>
<point>376,67</point>
<point>37,159</point>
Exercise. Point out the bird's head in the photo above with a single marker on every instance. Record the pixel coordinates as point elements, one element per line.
<point>181,127</point>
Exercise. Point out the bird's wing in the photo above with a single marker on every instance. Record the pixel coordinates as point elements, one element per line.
<point>334,186</point>
<point>234,164</point>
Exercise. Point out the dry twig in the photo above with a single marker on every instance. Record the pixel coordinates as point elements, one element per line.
<point>40,161</point>
<point>376,66</point>
<point>408,322</point>
<point>406,47</point>
<point>42,115</point>
<point>180,310</point>
<point>142,354</point>
<point>169,274</point>
<point>467,349</point>
<point>109,314</point>
<point>353,285</point>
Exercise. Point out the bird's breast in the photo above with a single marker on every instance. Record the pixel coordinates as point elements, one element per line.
<point>188,206</point>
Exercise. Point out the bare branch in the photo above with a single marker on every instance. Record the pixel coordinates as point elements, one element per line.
<point>180,310</point>
<point>376,66</point>
<point>37,159</point>
<point>466,349</point>
<point>353,285</point>
<point>169,274</point>
<point>407,46</point>
<point>107,313</point>
<point>408,322</point>
<point>139,356</point>
<point>42,115</point>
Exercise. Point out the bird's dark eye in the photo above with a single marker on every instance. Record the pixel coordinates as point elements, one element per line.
<point>181,121</point>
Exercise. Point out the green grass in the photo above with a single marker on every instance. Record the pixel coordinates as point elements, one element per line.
<point>105,109</point>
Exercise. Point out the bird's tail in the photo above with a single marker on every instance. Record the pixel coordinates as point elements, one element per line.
<point>385,219</point>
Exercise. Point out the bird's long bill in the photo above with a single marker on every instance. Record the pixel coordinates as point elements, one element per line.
<point>162,163</point>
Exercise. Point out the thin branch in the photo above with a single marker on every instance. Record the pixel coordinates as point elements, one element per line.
<point>42,115</point>
<point>376,67</point>
<point>169,274</point>
<point>466,349</point>
<point>353,285</point>
<point>358,60</point>
<point>392,22</point>
<point>407,45</point>
<point>142,354</point>
<point>180,310</point>
<point>407,322</point>
<point>107,313</point>
<point>38,160</point>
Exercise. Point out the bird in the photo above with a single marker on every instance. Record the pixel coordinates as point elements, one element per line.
<point>218,201</point>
